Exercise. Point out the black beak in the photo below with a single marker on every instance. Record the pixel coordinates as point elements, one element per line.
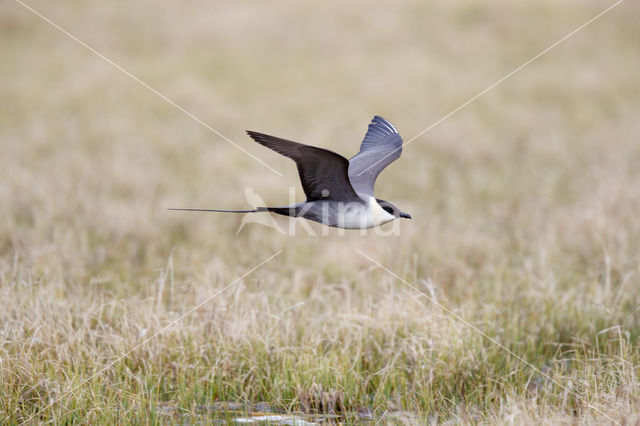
<point>405,215</point>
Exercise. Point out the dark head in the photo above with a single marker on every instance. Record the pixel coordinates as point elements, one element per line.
<point>392,209</point>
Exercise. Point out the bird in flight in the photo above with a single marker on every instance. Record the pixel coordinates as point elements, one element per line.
<point>339,191</point>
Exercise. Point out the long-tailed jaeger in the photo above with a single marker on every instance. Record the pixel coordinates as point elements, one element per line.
<point>339,191</point>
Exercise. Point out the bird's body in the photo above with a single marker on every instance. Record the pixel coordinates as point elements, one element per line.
<point>356,214</point>
<point>339,191</point>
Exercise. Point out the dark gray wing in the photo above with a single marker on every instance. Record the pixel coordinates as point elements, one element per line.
<point>323,173</point>
<point>381,146</point>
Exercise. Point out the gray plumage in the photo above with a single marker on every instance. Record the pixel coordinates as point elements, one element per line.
<point>381,146</point>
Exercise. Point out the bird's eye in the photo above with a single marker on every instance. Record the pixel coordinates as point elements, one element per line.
<point>388,209</point>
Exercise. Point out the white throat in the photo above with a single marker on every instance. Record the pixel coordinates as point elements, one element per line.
<point>377,214</point>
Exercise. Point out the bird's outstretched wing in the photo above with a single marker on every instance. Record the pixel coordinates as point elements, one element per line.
<point>381,146</point>
<point>323,173</point>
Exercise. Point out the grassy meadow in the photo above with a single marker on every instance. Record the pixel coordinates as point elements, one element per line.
<point>525,205</point>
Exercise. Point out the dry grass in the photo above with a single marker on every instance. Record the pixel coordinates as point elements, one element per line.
<point>525,208</point>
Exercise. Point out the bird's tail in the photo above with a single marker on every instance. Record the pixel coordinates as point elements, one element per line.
<point>285,211</point>
<point>259,209</point>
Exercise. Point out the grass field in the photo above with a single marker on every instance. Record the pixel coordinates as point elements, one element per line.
<point>525,210</point>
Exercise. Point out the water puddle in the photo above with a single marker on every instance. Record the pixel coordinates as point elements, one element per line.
<point>275,419</point>
<point>260,413</point>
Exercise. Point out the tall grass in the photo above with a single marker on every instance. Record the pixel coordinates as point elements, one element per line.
<point>525,214</point>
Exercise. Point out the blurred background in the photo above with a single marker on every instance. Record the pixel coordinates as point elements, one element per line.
<point>524,203</point>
